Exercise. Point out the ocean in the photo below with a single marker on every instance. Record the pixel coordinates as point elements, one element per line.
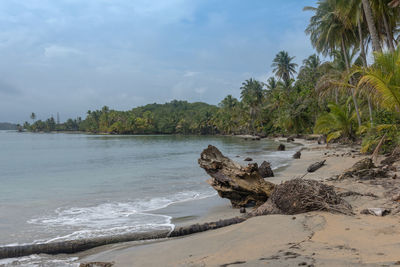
<point>57,186</point>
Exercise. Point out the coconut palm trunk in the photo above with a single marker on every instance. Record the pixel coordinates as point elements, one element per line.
<point>365,64</point>
<point>371,26</point>
<point>389,38</point>
<point>346,59</point>
<point>362,48</point>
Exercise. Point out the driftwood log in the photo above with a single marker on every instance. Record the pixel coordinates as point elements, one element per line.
<point>74,246</point>
<point>241,185</point>
<point>244,184</point>
<point>315,166</point>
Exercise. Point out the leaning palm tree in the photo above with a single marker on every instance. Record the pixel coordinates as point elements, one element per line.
<point>330,31</point>
<point>283,65</point>
<point>384,78</point>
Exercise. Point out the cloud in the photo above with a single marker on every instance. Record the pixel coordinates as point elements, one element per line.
<point>125,53</point>
<point>191,73</point>
<point>53,51</point>
<point>8,89</point>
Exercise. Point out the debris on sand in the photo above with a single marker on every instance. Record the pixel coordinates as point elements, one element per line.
<point>376,211</point>
<point>244,185</point>
<point>300,196</point>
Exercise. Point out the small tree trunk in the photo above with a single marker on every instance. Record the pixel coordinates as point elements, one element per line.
<point>370,109</point>
<point>365,64</point>
<point>388,32</point>
<point>371,26</point>
<point>337,96</point>
<point>351,81</point>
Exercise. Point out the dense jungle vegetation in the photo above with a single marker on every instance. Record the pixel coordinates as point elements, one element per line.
<point>352,96</point>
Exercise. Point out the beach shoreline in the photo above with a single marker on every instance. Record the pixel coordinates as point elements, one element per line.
<point>313,239</point>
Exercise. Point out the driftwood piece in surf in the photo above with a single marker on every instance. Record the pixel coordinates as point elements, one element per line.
<point>281,147</point>
<point>241,185</point>
<point>74,246</point>
<point>315,166</point>
<point>297,155</point>
<point>96,264</point>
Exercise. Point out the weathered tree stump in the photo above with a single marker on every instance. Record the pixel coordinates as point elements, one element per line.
<point>265,170</point>
<point>241,185</point>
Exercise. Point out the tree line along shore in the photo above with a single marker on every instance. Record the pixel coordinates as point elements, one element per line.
<point>350,97</point>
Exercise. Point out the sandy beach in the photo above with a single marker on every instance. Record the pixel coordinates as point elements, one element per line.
<point>310,239</point>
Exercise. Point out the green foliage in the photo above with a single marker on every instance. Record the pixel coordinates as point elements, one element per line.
<point>339,122</point>
<point>176,117</point>
<point>374,134</point>
<point>384,78</point>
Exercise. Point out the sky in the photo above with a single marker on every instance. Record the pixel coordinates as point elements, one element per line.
<point>71,56</point>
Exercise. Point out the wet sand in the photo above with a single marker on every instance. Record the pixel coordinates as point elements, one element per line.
<point>311,239</point>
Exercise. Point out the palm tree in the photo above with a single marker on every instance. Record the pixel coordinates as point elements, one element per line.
<point>352,11</point>
<point>271,83</point>
<point>283,66</point>
<point>33,117</point>
<point>312,62</point>
<point>335,78</point>
<point>376,46</point>
<point>310,71</point>
<point>384,78</point>
<point>229,102</point>
<point>329,31</point>
<point>252,96</point>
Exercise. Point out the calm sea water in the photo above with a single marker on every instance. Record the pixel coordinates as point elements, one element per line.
<point>65,186</point>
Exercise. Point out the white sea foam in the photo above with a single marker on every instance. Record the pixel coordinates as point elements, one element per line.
<point>112,218</point>
<point>36,261</point>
